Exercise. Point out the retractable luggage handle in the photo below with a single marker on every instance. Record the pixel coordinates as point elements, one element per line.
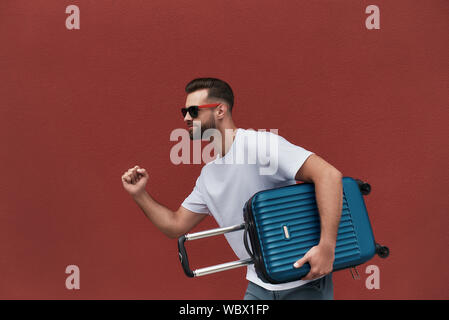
<point>216,268</point>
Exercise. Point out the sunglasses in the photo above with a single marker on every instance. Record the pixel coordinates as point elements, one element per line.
<point>193,110</point>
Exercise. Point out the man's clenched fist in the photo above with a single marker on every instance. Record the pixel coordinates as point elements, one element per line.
<point>134,180</point>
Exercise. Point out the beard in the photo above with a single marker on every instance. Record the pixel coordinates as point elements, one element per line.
<point>210,124</point>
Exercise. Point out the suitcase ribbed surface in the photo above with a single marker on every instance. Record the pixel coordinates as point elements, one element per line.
<point>297,210</point>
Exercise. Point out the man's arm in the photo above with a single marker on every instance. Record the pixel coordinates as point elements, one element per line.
<point>329,197</point>
<point>172,223</point>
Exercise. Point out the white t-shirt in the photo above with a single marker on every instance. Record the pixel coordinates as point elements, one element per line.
<point>256,161</point>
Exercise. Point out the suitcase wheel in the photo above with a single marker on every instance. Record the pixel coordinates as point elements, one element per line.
<point>365,188</point>
<point>382,251</point>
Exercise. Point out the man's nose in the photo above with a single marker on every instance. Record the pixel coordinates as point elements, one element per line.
<point>187,117</point>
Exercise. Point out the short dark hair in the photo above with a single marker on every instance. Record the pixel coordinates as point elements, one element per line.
<point>218,89</point>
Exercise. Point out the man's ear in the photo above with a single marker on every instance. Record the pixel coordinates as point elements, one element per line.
<point>222,109</point>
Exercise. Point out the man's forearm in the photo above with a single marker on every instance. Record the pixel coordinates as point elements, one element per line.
<point>329,197</point>
<point>162,217</point>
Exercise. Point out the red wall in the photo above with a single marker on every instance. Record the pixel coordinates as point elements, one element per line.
<point>79,107</point>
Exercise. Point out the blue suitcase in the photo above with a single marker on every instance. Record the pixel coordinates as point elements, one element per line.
<point>283,224</point>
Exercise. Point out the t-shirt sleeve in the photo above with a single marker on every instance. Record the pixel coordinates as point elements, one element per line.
<point>290,159</point>
<point>195,201</point>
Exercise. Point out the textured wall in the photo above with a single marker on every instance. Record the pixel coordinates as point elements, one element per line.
<point>79,107</point>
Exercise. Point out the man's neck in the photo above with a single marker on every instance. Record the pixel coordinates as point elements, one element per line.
<point>227,138</point>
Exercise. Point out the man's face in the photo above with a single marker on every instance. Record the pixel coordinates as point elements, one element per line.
<point>206,115</point>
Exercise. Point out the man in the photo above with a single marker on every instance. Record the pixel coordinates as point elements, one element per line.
<point>224,186</point>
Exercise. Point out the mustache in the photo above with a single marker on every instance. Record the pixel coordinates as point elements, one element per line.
<point>190,123</point>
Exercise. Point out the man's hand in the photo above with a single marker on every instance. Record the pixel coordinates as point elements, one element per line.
<point>321,260</point>
<point>134,180</point>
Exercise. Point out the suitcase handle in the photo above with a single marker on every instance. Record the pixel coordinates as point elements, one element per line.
<point>216,268</point>
<point>245,242</point>
<point>183,257</point>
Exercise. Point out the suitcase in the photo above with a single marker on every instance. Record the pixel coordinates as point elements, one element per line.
<point>282,224</point>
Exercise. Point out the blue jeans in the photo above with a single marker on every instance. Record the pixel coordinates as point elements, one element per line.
<point>320,289</point>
